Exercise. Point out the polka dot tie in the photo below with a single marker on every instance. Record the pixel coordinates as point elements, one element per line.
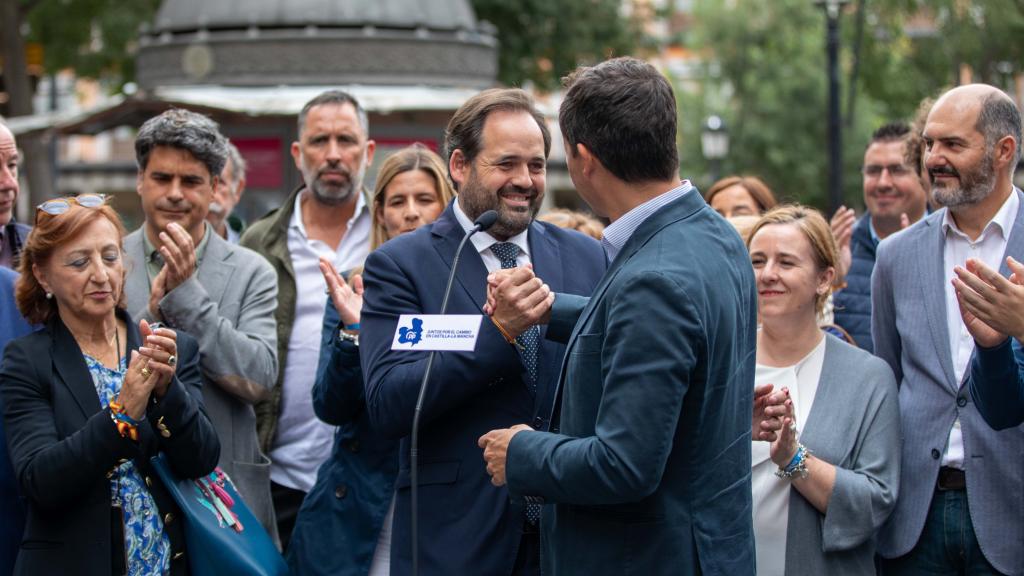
<point>529,342</point>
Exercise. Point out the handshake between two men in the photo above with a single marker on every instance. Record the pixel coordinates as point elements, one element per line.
<point>517,300</point>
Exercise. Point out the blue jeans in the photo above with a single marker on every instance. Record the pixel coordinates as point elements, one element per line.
<point>948,546</point>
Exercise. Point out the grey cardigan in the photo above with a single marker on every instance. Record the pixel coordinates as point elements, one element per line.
<point>853,424</point>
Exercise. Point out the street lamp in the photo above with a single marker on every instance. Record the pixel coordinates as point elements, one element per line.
<point>833,8</point>
<point>714,142</point>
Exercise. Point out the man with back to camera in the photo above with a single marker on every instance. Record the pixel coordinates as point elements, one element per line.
<point>497,145</point>
<point>646,469</point>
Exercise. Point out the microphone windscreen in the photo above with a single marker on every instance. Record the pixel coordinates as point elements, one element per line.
<point>486,220</point>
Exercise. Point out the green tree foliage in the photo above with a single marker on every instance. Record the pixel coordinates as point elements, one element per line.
<point>765,74</point>
<point>95,38</point>
<point>542,40</point>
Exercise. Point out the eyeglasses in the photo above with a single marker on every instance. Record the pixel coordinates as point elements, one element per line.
<point>895,170</point>
<point>62,205</point>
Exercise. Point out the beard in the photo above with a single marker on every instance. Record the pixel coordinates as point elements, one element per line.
<point>334,194</point>
<point>475,199</point>
<point>975,185</point>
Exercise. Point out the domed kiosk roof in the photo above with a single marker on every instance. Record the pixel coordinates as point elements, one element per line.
<point>184,15</point>
<point>317,42</point>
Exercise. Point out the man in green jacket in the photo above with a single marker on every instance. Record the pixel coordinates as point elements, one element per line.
<point>326,217</point>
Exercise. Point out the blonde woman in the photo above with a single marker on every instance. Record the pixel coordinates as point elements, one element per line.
<point>827,483</point>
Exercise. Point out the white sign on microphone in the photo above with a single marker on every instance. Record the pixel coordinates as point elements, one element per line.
<point>451,332</point>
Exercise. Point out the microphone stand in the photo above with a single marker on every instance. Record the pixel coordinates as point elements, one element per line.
<point>483,222</point>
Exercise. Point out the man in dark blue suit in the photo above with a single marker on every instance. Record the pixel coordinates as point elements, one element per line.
<point>12,509</point>
<point>646,468</point>
<point>497,144</point>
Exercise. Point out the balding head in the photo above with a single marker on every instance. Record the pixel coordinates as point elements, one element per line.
<point>972,136</point>
<point>8,174</point>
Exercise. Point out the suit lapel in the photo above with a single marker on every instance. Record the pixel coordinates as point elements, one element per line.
<point>216,269</point>
<point>471,274</point>
<point>933,292</point>
<point>71,368</point>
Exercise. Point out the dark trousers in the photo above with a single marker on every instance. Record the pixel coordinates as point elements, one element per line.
<point>287,502</point>
<point>948,545</point>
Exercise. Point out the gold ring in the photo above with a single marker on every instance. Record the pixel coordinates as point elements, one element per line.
<point>145,372</point>
<point>172,361</point>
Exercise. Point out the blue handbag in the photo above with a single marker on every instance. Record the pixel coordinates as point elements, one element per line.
<point>221,534</point>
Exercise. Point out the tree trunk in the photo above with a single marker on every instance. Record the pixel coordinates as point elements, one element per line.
<point>38,169</point>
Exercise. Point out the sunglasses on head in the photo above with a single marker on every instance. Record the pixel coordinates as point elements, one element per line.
<point>62,205</point>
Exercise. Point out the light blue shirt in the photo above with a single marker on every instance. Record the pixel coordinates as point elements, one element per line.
<point>618,232</point>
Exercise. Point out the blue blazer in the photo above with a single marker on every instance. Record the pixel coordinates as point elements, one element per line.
<point>342,515</point>
<point>466,524</point>
<point>648,460</point>
<point>12,507</point>
<point>911,333</point>
<point>997,384</point>
<point>63,445</point>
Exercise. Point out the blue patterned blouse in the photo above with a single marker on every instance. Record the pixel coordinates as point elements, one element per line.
<point>147,548</point>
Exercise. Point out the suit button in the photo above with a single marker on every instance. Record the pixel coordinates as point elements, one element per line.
<point>168,518</point>
<point>341,491</point>
<point>961,401</point>
<point>353,446</point>
<point>935,454</point>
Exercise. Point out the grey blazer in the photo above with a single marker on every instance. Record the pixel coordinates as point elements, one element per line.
<point>228,306</point>
<point>854,424</point>
<point>910,332</point>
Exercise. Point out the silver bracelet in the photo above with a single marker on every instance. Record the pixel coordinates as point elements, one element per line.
<point>797,467</point>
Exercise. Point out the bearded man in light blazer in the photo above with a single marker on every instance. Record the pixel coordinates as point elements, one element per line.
<point>960,508</point>
<point>182,273</point>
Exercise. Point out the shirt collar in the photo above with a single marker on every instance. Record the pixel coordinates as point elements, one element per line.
<point>483,240</point>
<point>1003,220</point>
<point>618,232</point>
<point>297,223</point>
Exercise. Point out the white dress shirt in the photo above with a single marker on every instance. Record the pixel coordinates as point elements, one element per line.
<point>989,247</point>
<point>302,442</point>
<point>771,493</point>
<point>482,242</point>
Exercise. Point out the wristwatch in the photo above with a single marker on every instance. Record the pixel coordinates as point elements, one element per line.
<point>349,337</point>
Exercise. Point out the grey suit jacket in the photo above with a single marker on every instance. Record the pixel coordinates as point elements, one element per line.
<point>910,333</point>
<point>228,305</point>
<point>854,424</point>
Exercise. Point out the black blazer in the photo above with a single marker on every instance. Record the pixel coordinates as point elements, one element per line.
<point>64,447</point>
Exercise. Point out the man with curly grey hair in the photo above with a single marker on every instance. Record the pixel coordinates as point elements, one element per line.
<point>181,272</point>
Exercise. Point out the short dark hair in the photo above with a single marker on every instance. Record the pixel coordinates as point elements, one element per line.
<point>890,132</point>
<point>184,130</point>
<point>334,97</point>
<point>465,129</point>
<point>624,111</point>
<point>999,117</point>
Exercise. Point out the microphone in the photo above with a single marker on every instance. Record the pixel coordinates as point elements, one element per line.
<point>483,222</point>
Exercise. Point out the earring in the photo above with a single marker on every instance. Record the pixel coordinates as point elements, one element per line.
<point>49,295</point>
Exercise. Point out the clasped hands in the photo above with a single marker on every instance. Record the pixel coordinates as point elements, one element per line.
<point>150,369</point>
<point>516,300</point>
<point>179,254</point>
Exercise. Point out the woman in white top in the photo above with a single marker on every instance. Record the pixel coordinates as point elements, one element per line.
<point>828,482</point>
